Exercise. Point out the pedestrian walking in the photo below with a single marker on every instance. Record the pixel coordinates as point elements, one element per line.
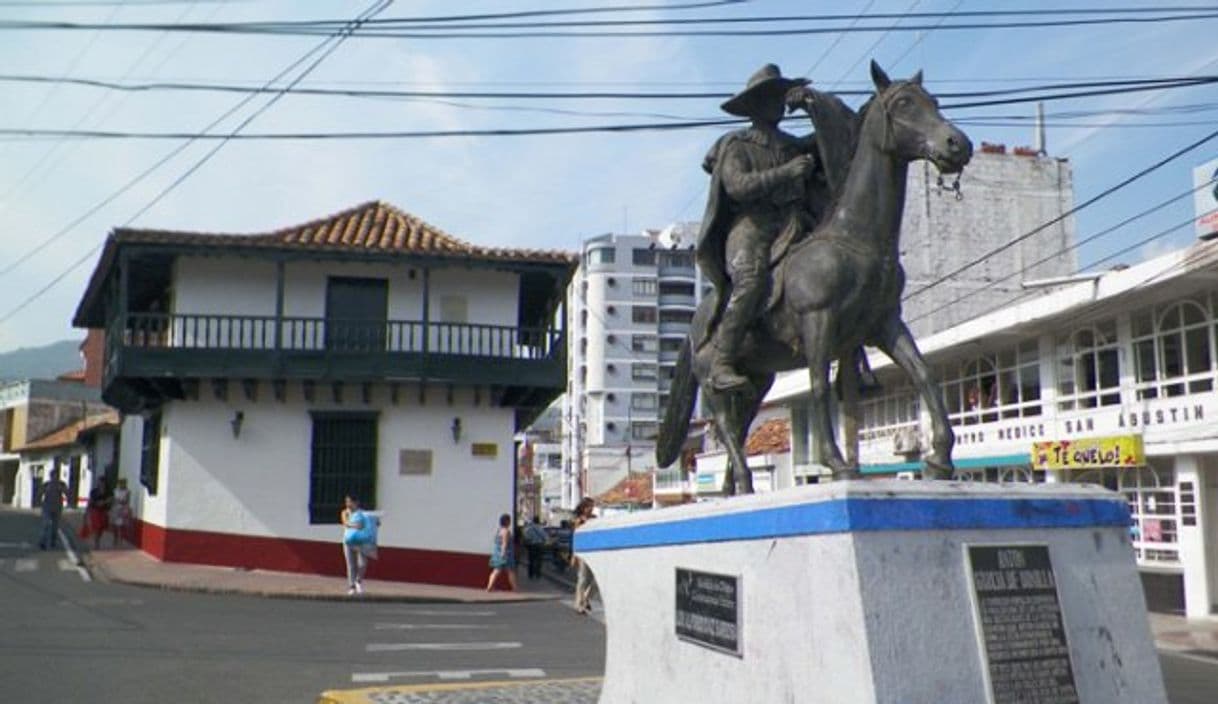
<point>502,559</point>
<point>359,540</point>
<point>535,539</point>
<point>97,515</point>
<point>585,583</point>
<point>54,492</point>
<point>120,512</point>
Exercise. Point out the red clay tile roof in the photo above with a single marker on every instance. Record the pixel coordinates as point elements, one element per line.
<point>78,375</point>
<point>634,489</point>
<point>67,435</point>
<point>770,438</point>
<point>370,227</point>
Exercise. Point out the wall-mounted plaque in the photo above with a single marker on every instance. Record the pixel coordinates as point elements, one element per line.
<point>1019,621</point>
<point>708,610</point>
<point>416,462</point>
<point>484,449</point>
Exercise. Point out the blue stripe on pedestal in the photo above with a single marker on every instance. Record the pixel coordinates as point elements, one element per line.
<point>847,515</point>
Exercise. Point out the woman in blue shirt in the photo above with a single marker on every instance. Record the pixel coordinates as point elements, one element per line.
<point>355,535</point>
<point>502,559</point>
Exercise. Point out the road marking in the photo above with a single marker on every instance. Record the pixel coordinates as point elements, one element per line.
<point>397,647</point>
<point>66,565</point>
<point>448,675</point>
<point>25,565</point>
<point>421,612</point>
<point>19,546</point>
<point>431,626</point>
<point>67,548</point>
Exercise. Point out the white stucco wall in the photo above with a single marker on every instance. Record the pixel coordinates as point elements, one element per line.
<point>258,483</point>
<point>238,286</point>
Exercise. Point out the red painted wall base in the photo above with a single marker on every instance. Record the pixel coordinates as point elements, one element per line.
<point>308,556</point>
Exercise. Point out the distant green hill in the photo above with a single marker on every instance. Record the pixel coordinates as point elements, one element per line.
<point>45,362</point>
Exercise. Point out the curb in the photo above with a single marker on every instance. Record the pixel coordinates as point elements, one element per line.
<point>369,694</point>
<point>104,575</point>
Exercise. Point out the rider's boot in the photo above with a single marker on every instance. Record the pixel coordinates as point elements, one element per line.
<point>723,374</point>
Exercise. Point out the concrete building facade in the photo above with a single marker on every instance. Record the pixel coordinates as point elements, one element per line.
<point>630,304</point>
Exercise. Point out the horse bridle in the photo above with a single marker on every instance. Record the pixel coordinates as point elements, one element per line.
<point>888,142</point>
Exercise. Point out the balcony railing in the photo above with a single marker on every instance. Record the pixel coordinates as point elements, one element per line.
<point>241,332</point>
<point>151,344</point>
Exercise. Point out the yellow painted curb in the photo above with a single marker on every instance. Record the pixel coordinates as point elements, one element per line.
<point>361,696</point>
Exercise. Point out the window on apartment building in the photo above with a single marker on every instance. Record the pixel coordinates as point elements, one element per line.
<point>643,343</point>
<point>1004,384</point>
<point>643,402</point>
<point>676,258</point>
<point>643,372</point>
<point>642,314</point>
<point>643,431</point>
<point>554,461</point>
<point>676,316</point>
<point>601,255</point>
<point>643,257</point>
<point>677,288</point>
<point>644,287</point>
<point>1174,349</point>
<point>1089,371</point>
<point>343,461</point>
<point>671,344</point>
<point>150,453</point>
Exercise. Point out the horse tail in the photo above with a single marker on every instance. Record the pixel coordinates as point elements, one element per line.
<point>675,426</point>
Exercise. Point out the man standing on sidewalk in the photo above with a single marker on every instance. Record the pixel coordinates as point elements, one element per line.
<point>53,492</point>
<point>534,541</point>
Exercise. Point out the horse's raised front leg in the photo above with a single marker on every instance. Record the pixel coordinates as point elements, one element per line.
<point>816,328</point>
<point>899,344</point>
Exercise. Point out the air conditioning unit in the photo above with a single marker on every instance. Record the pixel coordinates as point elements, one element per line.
<point>907,441</point>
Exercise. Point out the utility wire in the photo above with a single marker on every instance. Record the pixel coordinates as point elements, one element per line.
<point>379,6</point>
<point>535,131</point>
<point>1089,202</point>
<point>496,20</point>
<point>159,86</point>
<point>414,32</point>
<point>54,148</point>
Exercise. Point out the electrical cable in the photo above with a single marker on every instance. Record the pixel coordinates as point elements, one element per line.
<point>327,46</point>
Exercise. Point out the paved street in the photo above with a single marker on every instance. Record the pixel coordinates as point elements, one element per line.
<point>63,639</point>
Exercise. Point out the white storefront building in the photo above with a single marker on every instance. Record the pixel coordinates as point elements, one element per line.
<point>1112,380</point>
<point>263,377</point>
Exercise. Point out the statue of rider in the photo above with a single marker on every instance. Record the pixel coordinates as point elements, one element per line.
<point>758,202</point>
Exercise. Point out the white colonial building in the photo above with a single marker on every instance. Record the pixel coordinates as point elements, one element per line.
<point>1110,380</point>
<point>263,377</point>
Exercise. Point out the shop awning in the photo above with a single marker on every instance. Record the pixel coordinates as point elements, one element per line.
<point>961,463</point>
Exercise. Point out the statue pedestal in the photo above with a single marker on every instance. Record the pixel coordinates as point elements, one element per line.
<point>865,592</point>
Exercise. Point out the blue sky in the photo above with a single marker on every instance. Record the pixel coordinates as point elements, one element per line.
<point>542,191</point>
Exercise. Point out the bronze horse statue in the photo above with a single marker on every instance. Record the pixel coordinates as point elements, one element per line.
<point>837,289</point>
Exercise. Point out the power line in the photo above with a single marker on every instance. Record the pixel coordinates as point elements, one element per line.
<point>158,86</point>
<point>488,32</point>
<point>1040,228</point>
<point>380,5</point>
<point>537,131</point>
<point>50,152</point>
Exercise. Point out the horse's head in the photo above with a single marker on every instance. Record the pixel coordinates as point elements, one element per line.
<point>912,126</point>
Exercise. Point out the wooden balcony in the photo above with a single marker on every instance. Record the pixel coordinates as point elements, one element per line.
<point>149,346</point>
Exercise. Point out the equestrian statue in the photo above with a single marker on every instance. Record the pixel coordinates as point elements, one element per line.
<point>801,239</point>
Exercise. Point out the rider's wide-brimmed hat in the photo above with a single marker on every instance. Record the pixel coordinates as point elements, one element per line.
<point>766,84</point>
